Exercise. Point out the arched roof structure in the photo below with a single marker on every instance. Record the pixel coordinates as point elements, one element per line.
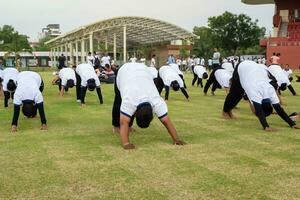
<point>139,30</point>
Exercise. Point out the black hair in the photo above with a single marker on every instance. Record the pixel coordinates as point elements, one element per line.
<point>205,75</point>
<point>70,83</point>
<point>29,109</point>
<point>267,108</point>
<point>11,86</point>
<point>144,115</point>
<point>91,84</point>
<point>283,87</point>
<point>175,85</point>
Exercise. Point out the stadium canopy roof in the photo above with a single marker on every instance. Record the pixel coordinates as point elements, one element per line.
<point>254,2</point>
<point>139,30</point>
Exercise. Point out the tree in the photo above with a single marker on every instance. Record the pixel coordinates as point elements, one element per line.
<point>203,45</point>
<point>41,46</point>
<point>234,32</point>
<point>13,42</point>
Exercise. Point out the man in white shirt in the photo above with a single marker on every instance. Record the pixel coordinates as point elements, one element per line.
<point>216,58</point>
<point>137,97</point>
<point>282,79</point>
<point>66,79</point>
<point>200,73</point>
<point>88,80</point>
<point>219,78</point>
<point>105,60</point>
<point>90,59</point>
<point>9,84</point>
<point>29,95</point>
<point>170,78</point>
<point>252,79</point>
<point>153,61</point>
<point>228,66</point>
<point>210,64</point>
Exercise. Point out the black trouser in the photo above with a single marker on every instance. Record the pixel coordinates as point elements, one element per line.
<point>214,66</point>
<point>199,80</point>
<point>7,96</point>
<point>78,87</point>
<point>117,108</point>
<point>290,87</point>
<point>236,92</point>
<point>181,76</point>
<point>159,84</point>
<point>212,81</point>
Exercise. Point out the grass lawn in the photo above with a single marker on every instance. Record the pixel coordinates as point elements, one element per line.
<point>80,158</point>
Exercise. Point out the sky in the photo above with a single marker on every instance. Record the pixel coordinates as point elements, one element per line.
<point>30,16</point>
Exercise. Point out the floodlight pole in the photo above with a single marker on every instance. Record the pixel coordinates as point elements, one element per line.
<point>115,47</point>
<point>76,49</point>
<point>124,44</point>
<point>82,50</point>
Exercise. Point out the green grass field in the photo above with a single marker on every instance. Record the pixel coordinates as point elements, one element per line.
<point>80,158</point>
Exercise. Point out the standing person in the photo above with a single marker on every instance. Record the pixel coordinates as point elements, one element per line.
<point>61,61</point>
<point>90,59</point>
<point>282,80</point>
<point>288,72</point>
<point>1,80</point>
<point>29,95</point>
<point>184,64</point>
<point>275,59</point>
<point>88,80</point>
<point>9,84</point>
<point>97,63</point>
<point>179,62</point>
<point>252,79</point>
<point>171,59</point>
<point>200,73</point>
<point>105,60</point>
<point>210,64</point>
<point>219,78</point>
<point>153,61</point>
<point>1,65</point>
<point>216,58</point>
<point>137,97</point>
<point>66,79</point>
<point>170,78</point>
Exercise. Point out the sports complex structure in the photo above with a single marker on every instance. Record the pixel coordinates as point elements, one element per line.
<point>123,34</point>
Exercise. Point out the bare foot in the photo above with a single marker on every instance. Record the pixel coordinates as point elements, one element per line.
<point>128,146</point>
<point>44,127</point>
<point>13,129</point>
<point>226,115</point>
<point>269,129</point>
<point>116,129</point>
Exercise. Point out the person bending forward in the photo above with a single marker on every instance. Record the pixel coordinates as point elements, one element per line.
<point>137,97</point>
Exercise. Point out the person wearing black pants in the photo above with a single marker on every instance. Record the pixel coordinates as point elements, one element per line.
<point>88,81</point>
<point>29,96</point>
<point>199,74</point>
<point>136,97</point>
<point>251,78</point>
<point>219,78</point>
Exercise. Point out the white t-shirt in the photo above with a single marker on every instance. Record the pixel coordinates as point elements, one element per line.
<point>202,62</point>
<point>256,83</point>
<point>199,70</point>
<point>105,60</point>
<point>228,66</point>
<point>153,71</point>
<point>168,75</point>
<point>136,87</point>
<point>153,62</point>
<point>28,84</point>
<point>9,74</point>
<point>178,62</point>
<point>176,68</point>
<point>91,60</point>
<point>66,74</point>
<point>86,72</point>
<point>197,61</point>
<point>223,77</point>
<point>288,73</point>
<point>216,58</point>
<point>279,74</point>
<point>210,62</point>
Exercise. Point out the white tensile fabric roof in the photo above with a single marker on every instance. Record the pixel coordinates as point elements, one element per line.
<point>139,30</point>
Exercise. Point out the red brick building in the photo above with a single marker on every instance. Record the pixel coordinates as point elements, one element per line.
<point>286,31</point>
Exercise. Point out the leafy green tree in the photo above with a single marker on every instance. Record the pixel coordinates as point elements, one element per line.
<point>203,45</point>
<point>234,32</point>
<point>41,46</point>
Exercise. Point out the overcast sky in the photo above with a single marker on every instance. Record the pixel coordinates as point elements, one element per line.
<point>30,16</point>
